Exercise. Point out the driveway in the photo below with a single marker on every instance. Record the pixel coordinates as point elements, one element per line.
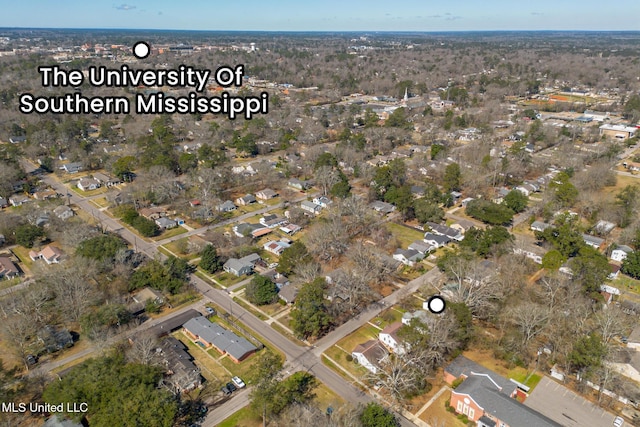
<point>566,407</point>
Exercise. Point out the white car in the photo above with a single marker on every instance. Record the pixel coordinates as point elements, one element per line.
<point>618,422</point>
<point>238,382</point>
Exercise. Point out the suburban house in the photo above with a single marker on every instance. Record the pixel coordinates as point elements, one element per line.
<point>246,200</point>
<point>594,242</point>
<point>421,315</point>
<point>17,139</point>
<point>87,184</point>
<point>603,227</point>
<point>209,334</point>
<point>389,337</point>
<point>63,212</point>
<point>148,294</point>
<point>276,247</point>
<point>369,354</point>
<point>620,253</point>
<point>382,207</point>
<point>50,254</point>
<point>633,340</point>
<point>106,180</point>
<point>241,266</point>
<point>488,398</point>
<point>55,339</point>
<point>279,279</point>
<point>310,207</point>
<point>289,293</point>
<point>181,372</point>
<point>18,200</point>
<point>290,229</point>
<point>539,226</point>
<point>166,223</point>
<point>323,201</point>
<point>298,184</point>
<point>266,194</point>
<point>8,269</point>
<point>72,167</point>
<point>421,246</point>
<point>417,191</point>
<point>443,230</point>
<point>227,206</point>
<point>153,212</point>
<point>462,225</point>
<point>273,221</point>
<point>436,240</point>
<point>45,194</point>
<point>246,229</point>
<point>407,257</point>
<point>173,324</point>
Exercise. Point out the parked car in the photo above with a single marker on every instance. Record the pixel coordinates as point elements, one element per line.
<point>238,382</point>
<point>618,422</point>
<point>210,311</point>
<point>231,387</point>
<point>31,359</point>
<point>225,390</point>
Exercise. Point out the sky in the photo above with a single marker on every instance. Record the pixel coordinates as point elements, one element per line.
<point>328,15</point>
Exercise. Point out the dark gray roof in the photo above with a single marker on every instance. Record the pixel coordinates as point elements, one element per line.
<point>174,323</point>
<point>221,338</point>
<point>488,395</point>
<point>443,229</point>
<point>462,366</point>
<point>438,238</point>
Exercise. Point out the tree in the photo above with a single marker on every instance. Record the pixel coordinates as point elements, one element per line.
<point>116,393</point>
<point>375,415</point>
<point>587,354</point>
<point>452,180</point>
<point>590,268</point>
<point>27,234</point>
<point>631,265</point>
<point>565,192</point>
<point>489,212</point>
<point>310,315</point>
<point>124,166</point>
<point>483,242</point>
<point>266,377</point>
<point>426,211</point>
<point>552,260</point>
<point>102,247</point>
<point>627,200</point>
<point>294,255</point>
<point>516,201</point>
<point>209,259</point>
<point>261,290</point>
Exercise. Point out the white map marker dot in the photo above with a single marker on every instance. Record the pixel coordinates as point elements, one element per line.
<point>436,304</point>
<point>141,50</point>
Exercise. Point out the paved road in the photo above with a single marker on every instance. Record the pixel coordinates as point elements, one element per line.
<point>298,358</point>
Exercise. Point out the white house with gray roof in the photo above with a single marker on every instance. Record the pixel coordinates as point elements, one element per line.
<point>209,334</point>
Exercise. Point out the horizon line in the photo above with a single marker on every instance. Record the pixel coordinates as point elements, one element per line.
<point>327,31</point>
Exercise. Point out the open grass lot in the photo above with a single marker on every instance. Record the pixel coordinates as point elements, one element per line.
<point>5,284</point>
<point>286,333</point>
<point>406,235</point>
<point>365,333</point>
<point>339,356</point>
<point>207,279</point>
<point>486,359</point>
<point>100,202</point>
<point>242,418</point>
<point>228,279</point>
<point>23,254</point>
<point>177,246</point>
<point>437,414</point>
<point>387,317</point>
<point>170,233</point>
<point>250,308</point>
<point>626,283</point>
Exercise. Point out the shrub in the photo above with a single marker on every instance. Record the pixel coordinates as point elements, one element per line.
<point>349,358</point>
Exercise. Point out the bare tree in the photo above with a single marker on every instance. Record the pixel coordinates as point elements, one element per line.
<point>143,350</point>
<point>530,318</point>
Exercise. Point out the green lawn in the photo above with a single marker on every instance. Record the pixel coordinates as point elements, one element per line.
<point>23,254</point>
<point>242,418</point>
<point>363,334</point>
<point>4,284</point>
<point>228,279</point>
<point>170,233</point>
<point>340,357</point>
<point>100,202</point>
<point>250,308</point>
<point>626,283</point>
<point>406,235</point>
<point>387,317</point>
<point>90,193</point>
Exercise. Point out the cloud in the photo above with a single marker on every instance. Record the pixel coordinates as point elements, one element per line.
<point>434,16</point>
<point>537,13</point>
<point>453,18</point>
<point>447,17</point>
<point>124,6</point>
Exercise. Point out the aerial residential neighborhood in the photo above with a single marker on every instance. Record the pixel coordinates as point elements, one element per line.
<point>425,228</point>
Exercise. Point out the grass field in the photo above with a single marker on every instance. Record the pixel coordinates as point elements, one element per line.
<point>170,233</point>
<point>437,414</point>
<point>228,279</point>
<point>23,254</point>
<point>406,235</point>
<point>242,418</point>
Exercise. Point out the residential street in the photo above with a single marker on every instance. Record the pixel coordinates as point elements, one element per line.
<point>297,357</point>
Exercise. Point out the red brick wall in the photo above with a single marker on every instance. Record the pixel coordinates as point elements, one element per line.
<point>459,398</point>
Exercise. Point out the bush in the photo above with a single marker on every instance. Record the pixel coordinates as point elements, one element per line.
<point>456,383</point>
<point>349,358</point>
